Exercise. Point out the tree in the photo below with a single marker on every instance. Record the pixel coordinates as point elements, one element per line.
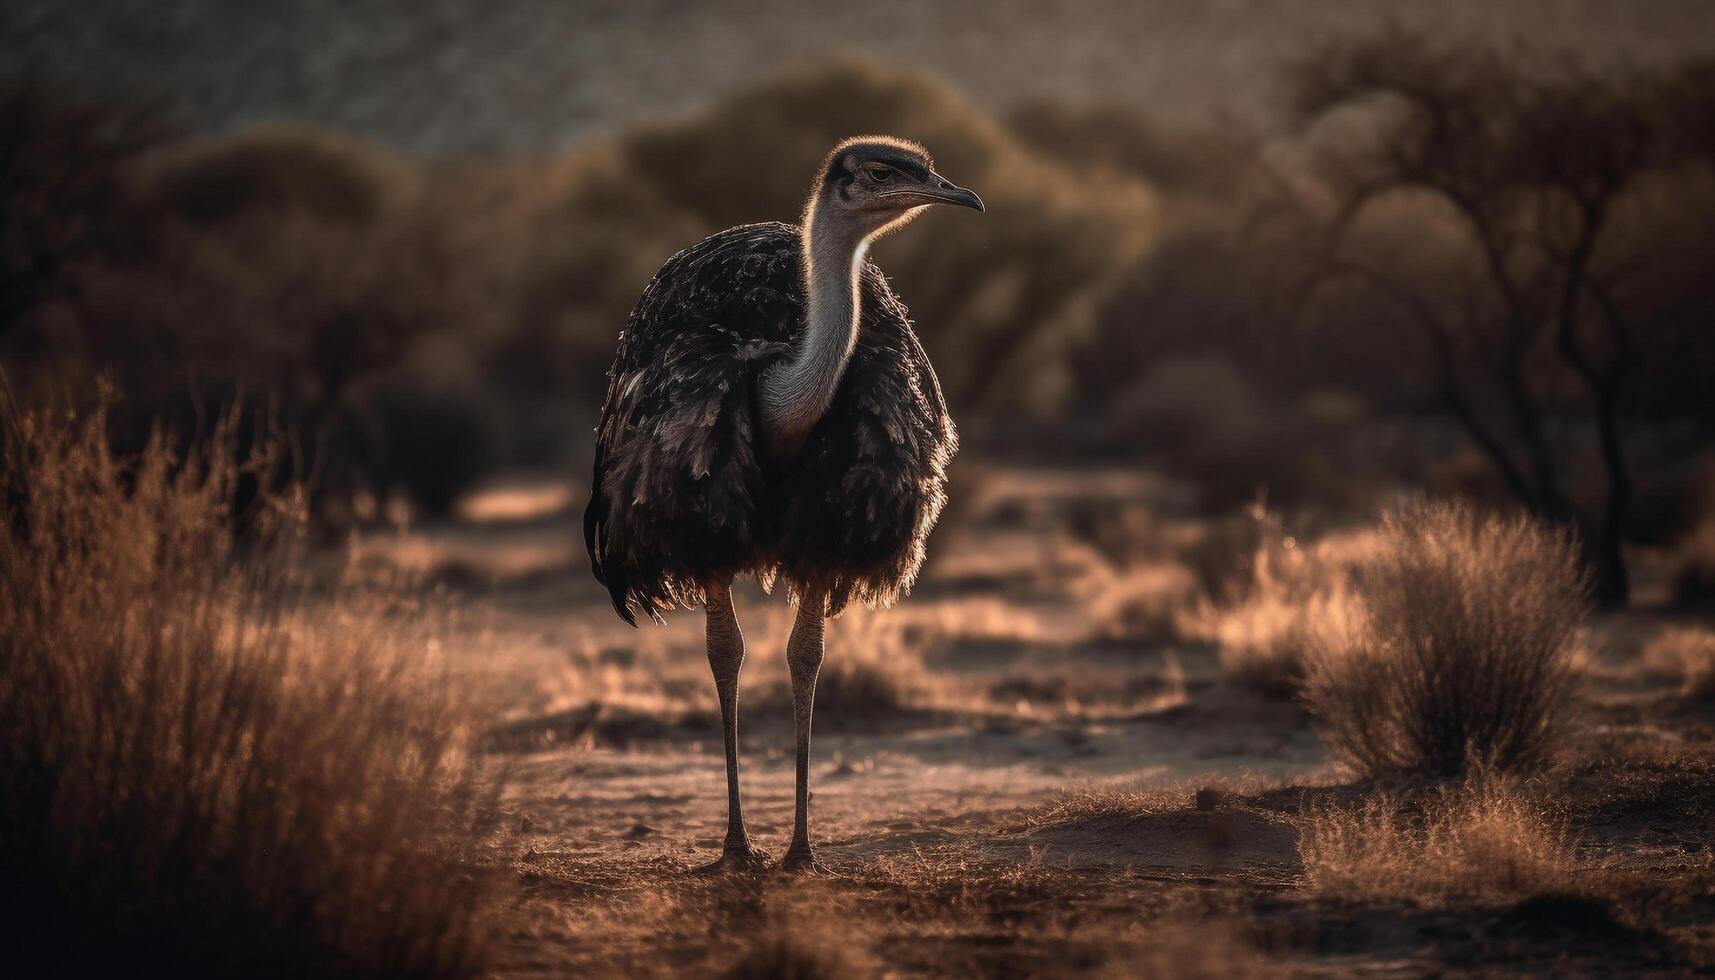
<point>61,187</point>
<point>1523,304</point>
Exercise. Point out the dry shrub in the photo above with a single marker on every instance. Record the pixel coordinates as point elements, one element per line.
<point>1483,840</point>
<point>200,771</point>
<point>1224,557</point>
<point>1286,600</point>
<point>1266,643</point>
<point>943,629</point>
<point>1146,605</point>
<point>320,278</point>
<point>1467,656</point>
<point>1100,804</point>
<point>1688,654</point>
<point>1123,532</point>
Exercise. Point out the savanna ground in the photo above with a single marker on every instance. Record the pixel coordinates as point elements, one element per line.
<point>1075,749</point>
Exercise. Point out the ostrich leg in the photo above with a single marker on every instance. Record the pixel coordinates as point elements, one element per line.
<point>804,659</point>
<point>726,657</point>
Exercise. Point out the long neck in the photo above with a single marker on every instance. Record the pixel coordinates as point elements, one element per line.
<point>796,392</point>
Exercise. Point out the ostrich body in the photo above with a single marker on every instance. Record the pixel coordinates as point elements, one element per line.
<point>770,411</point>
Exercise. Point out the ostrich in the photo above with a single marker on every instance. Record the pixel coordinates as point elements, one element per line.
<point>770,411</point>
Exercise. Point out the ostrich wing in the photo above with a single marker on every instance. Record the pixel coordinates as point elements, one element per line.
<point>678,483</point>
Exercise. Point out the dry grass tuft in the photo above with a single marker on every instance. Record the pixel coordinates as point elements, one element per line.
<point>1146,605</point>
<point>1090,805</point>
<point>947,629</point>
<point>1688,654</point>
<point>201,771</point>
<point>1480,841</point>
<point>1467,655</point>
<point>1266,642</point>
<point>1291,599</point>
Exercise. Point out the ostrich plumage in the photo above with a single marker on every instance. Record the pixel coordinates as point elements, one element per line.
<point>770,411</point>
<point>686,493</point>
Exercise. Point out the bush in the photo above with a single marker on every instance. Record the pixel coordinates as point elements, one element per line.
<point>1481,841</point>
<point>200,772</point>
<point>1467,652</point>
<point>62,189</point>
<point>1011,293</point>
<point>1272,600</point>
<point>1266,642</point>
<point>296,271</point>
<point>281,168</point>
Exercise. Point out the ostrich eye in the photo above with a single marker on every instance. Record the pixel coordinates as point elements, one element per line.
<point>878,173</point>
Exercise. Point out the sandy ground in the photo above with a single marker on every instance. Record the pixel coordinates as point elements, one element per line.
<point>1029,806</point>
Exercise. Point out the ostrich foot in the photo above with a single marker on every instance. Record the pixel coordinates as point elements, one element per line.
<point>800,861</point>
<point>736,858</point>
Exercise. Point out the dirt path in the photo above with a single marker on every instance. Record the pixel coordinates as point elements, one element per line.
<point>998,789</point>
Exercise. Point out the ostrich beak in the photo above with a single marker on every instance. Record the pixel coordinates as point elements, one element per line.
<point>937,189</point>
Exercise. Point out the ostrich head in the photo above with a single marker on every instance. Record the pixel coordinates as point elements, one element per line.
<point>875,184</point>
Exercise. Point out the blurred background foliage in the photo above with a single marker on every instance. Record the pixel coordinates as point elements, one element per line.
<point>1369,292</point>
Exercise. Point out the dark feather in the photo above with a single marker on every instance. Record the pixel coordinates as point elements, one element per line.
<point>683,495</point>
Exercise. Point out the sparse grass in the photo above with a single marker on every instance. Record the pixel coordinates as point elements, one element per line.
<point>1291,599</point>
<point>875,671</point>
<point>649,675</point>
<point>1480,841</point>
<point>1145,605</point>
<point>1098,804</point>
<point>947,628</point>
<point>1075,695</point>
<point>1224,556</point>
<point>1468,650</point>
<point>202,771</point>
<point>1688,654</point>
<point>1266,642</point>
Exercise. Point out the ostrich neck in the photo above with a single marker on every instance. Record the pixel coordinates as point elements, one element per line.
<point>797,391</point>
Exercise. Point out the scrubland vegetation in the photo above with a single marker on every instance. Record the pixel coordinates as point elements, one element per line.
<point>208,771</point>
<point>1484,840</point>
<point>1327,573</point>
<point>1194,296</point>
<point>1464,657</point>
